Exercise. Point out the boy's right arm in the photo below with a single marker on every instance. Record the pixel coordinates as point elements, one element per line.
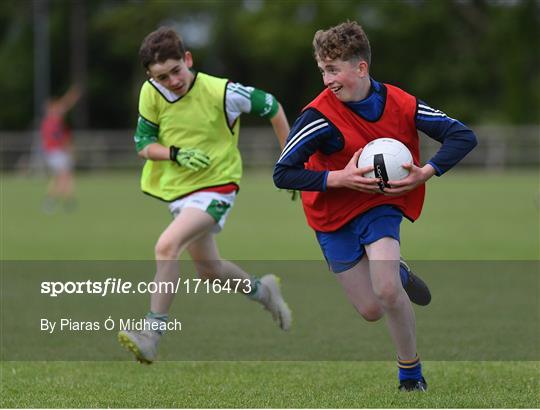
<point>70,98</point>
<point>303,140</point>
<point>147,145</point>
<point>352,177</point>
<point>147,132</point>
<point>155,152</point>
<point>146,141</point>
<point>312,132</point>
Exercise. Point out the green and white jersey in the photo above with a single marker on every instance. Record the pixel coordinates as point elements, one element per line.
<point>207,118</point>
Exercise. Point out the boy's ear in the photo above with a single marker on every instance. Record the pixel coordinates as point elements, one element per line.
<point>362,68</point>
<point>188,58</point>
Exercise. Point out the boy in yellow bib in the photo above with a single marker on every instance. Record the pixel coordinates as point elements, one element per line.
<point>188,131</point>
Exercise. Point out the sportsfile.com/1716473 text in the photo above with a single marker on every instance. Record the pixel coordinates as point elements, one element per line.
<point>118,286</point>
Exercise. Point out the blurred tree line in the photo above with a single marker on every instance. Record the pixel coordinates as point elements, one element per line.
<point>477,60</point>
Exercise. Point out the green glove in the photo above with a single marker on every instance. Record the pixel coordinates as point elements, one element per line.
<point>191,158</point>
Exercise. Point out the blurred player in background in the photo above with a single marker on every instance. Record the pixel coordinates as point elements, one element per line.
<point>356,224</point>
<point>188,131</point>
<point>57,145</point>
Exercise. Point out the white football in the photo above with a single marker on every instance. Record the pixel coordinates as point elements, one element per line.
<point>386,155</point>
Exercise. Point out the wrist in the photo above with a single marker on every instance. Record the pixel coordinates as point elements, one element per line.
<point>173,152</point>
<point>333,180</point>
<point>428,171</point>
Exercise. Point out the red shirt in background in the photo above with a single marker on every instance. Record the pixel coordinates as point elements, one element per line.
<point>54,133</point>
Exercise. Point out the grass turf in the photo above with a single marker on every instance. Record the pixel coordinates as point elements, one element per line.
<point>466,217</point>
<point>267,385</point>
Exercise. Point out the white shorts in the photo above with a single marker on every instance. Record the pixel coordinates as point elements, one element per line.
<point>215,204</point>
<point>59,161</point>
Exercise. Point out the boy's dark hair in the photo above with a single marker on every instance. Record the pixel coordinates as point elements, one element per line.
<point>161,45</point>
<point>345,41</point>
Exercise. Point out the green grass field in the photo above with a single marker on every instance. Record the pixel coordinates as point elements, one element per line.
<point>477,244</point>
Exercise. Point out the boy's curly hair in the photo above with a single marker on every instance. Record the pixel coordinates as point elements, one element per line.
<point>345,41</point>
<point>161,45</point>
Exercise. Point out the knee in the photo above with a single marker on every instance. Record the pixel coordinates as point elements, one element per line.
<point>371,313</point>
<point>166,249</point>
<point>388,294</point>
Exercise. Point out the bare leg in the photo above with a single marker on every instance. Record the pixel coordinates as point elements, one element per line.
<point>65,185</point>
<point>208,262</point>
<point>356,283</point>
<point>189,225</point>
<point>384,270</point>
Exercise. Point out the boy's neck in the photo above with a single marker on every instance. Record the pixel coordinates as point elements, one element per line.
<point>364,88</point>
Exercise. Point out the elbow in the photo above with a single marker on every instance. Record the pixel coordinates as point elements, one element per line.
<point>472,141</point>
<point>143,153</point>
<point>278,176</point>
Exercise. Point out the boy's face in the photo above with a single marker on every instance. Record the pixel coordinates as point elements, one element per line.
<point>174,75</point>
<point>346,79</point>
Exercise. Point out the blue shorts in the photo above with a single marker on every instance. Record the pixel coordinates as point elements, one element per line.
<point>345,247</point>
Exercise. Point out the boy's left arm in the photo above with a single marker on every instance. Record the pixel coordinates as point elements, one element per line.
<point>457,141</point>
<point>242,99</point>
<point>281,126</point>
<point>417,176</point>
